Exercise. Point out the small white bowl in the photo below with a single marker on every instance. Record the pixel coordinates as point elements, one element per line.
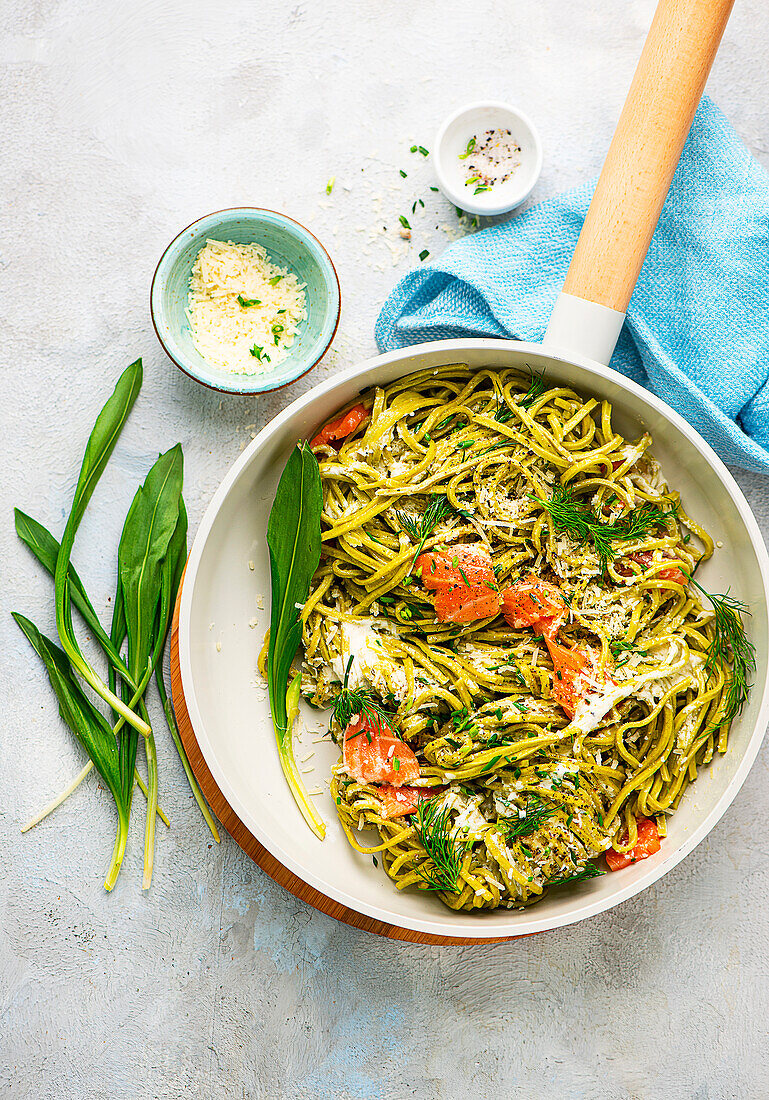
<point>474,121</point>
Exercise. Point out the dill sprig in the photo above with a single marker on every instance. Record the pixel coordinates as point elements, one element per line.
<point>353,701</point>
<point>537,814</point>
<point>588,871</point>
<point>573,518</point>
<point>730,646</point>
<point>433,827</point>
<point>419,528</point>
<point>536,388</point>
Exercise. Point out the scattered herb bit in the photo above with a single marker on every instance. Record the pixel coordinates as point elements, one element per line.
<point>404,221</point>
<point>434,188</point>
<point>259,353</point>
<point>404,174</point>
<point>619,645</point>
<point>423,151</point>
<point>277,329</point>
<point>276,279</point>
<point>589,871</point>
<point>248,302</point>
<point>481,187</point>
<point>413,149</point>
<point>330,185</point>
<point>468,149</point>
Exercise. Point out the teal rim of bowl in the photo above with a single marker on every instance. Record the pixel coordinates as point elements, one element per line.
<point>288,244</point>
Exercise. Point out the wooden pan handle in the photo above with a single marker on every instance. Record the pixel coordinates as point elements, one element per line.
<point>645,150</point>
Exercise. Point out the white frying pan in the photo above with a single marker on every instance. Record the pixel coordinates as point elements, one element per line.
<point>228,708</point>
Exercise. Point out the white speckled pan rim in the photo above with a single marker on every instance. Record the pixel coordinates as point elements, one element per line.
<point>461,925</point>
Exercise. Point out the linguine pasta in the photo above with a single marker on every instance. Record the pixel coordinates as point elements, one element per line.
<point>522,796</point>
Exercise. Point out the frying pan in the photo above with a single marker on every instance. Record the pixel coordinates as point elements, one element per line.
<point>221,623</point>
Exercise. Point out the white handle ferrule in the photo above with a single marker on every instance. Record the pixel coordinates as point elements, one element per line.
<point>578,328</point>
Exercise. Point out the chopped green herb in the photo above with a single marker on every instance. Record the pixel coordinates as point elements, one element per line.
<point>404,221</point>
<point>259,353</point>
<point>248,302</point>
<point>589,871</point>
<point>469,148</point>
<point>404,174</point>
<point>276,279</point>
<point>330,185</point>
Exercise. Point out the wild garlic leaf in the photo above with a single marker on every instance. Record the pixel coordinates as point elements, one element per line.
<point>87,724</point>
<point>293,539</point>
<point>46,549</point>
<point>100,446</point>
<point>147,532</point>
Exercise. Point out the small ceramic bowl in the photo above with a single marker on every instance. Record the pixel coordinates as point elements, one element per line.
<point>452,170</point>
<point>288,244</point>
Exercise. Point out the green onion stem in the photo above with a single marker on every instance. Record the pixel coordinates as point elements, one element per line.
<point>152,802</point>
<point>118,851</point>
<point>72,787</point>
<point>168,710</point>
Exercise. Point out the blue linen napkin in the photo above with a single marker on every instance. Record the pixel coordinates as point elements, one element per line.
<point>697,328</point>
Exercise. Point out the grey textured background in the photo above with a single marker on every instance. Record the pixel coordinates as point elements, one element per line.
<point>121,123</point>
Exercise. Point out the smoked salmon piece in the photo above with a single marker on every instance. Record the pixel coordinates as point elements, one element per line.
<point>568,667</point>
<point>463,579</point>
<point>468,565</point>
<point>534,603</point>
<point>540,605</point>
<point>673,573</point>
<point>648,843</point>
<point>400,801</point>
<point>373,754</point>
<point>337,430</point>
<point>463,604</point>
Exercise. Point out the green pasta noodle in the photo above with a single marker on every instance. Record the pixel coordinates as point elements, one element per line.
<point>522,799</point>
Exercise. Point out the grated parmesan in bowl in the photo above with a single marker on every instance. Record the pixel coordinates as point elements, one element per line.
<point>245,300</point>
<point>243,310</point>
